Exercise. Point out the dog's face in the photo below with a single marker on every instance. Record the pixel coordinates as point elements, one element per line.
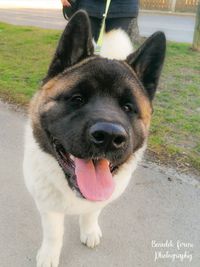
<point>93,113</point>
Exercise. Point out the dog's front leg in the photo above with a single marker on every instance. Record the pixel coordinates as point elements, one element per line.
<point>90,232</point>
<point>53,229</point>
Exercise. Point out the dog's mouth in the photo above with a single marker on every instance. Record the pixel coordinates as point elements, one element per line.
<point>91,179</point>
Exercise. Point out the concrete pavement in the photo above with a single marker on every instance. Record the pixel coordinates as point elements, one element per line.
<point>176,27</point>
<point>159,205</point>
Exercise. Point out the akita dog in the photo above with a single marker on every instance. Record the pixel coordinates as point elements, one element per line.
<point>88,128</point>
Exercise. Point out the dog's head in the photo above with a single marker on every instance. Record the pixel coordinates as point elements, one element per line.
<point>93,113</point>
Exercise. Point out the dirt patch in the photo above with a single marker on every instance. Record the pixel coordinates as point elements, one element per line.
<point>180,162</point>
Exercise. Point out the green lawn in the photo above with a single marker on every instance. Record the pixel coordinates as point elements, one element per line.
<point>25,53</point>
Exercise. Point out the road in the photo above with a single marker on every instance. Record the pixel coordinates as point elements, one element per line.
<point>158,205</point>
<point>177,28</point>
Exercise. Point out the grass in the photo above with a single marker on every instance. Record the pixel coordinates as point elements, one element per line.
<point>25,55</point>
<point>175,131</point>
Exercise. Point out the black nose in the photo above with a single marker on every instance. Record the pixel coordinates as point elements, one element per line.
<point>108,134</point>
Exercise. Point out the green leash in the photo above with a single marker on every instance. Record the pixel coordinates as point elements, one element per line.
<point>100,39</point>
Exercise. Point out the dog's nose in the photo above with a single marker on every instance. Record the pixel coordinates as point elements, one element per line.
<point>107,134</point>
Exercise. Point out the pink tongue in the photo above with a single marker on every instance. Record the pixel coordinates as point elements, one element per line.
<point>95,181</point>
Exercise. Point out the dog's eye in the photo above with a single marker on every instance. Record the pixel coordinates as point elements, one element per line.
<point>77,99</point>
<point>129,108</point>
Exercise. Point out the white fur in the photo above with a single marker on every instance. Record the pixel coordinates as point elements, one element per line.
<point>90,232</point>
<point>53,229</point>
<point>46,182</point>
<point>116,45</point>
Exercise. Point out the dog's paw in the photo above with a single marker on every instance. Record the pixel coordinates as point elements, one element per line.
<point>92,238</point>
<point>47,259</point>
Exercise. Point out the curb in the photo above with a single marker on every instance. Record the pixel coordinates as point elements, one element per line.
<point>167,13</point>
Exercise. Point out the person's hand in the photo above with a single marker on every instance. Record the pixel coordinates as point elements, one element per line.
<point>66,3</point>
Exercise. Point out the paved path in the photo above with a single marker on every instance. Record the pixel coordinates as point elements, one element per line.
<point>159,205</point>
<point>177,28</point>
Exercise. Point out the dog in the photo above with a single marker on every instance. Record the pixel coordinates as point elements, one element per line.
<point>87,129</point>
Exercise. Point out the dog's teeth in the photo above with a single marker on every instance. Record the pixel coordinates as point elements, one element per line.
<point>72,157</point>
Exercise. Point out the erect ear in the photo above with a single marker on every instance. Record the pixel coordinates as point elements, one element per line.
<point>74,45</point>
<point>148,60</point>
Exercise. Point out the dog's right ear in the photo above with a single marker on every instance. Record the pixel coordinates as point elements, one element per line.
<point>75,44</point>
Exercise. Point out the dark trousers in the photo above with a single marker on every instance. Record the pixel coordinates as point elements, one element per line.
<point>111,24</point>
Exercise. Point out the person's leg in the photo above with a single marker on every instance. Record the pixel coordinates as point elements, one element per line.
<point>96,26</point>
<point>133,32</point>
<point>116,23</point>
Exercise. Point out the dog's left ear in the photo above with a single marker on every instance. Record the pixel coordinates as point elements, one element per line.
<point>148,60</point>
<point>75,44</point>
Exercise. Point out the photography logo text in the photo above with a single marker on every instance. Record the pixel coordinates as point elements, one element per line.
<point>172,250</point>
